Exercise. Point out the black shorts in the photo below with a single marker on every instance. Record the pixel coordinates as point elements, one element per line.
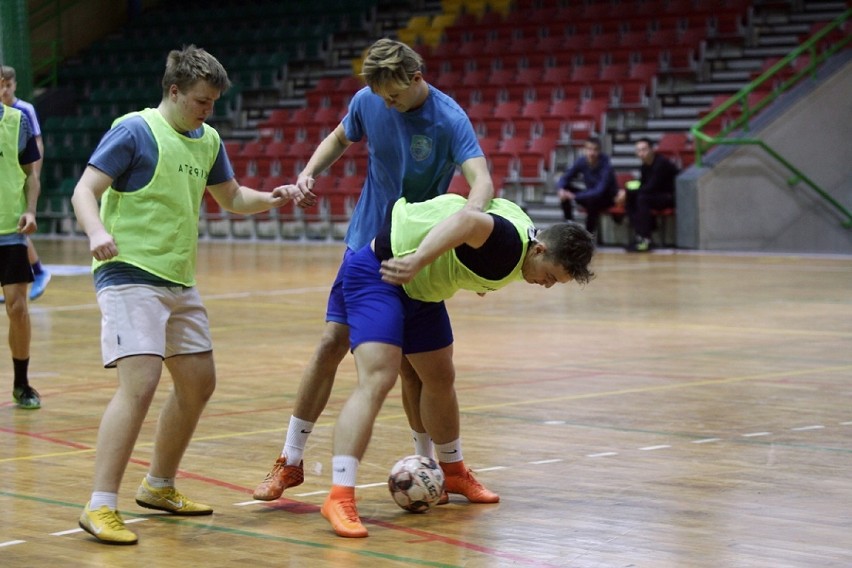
<point>15,265</point>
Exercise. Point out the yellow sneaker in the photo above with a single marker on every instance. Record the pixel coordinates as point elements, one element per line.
<point>107,526</point>
<point>170,500</point>
<point>340,510</point>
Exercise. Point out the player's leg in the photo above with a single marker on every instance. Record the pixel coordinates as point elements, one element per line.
<point>194,381</point>
<point>376,312</point>
<point>138,377</point>
<point>15,278</point>
<point>312,396</point>
<point>431,355</point>
<point>411,388</point>
<point>41,275</point>
<point>440,411</point>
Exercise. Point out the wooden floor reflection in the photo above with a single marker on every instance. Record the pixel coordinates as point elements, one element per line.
<point>680,410</point>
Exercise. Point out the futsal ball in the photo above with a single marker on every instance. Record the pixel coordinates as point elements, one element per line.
<point>416,483</point>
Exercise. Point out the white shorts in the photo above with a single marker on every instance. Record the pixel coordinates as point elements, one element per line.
<point>152,320</point>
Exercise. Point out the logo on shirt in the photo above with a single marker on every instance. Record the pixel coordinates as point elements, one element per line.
<point>421,147</point>
<point>193,171</point>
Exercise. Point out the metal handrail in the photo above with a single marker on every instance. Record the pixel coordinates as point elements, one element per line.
<point>704,141</point>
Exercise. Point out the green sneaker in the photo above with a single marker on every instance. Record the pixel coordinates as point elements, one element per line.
<point>107,526</point>
<point>26,397</point>
<point>170,500</point>
<point>640,245</point>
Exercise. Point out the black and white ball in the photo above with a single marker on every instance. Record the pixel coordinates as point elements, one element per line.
<point>416,483</point>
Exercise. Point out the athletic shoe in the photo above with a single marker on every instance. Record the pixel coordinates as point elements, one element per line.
<point>466,484</point>
<point>342,513</point>
<point>170,500</point>
<point>26,397</point>
<point>445,498</point>
<point>280,478</point>
<point>39,284</point>
<point>641,244</point>
<point>107,526</point>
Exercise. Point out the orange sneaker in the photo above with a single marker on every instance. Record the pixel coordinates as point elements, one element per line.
<point>445,498</point>
<point>280,478</point>
<point>464,483</point>
<point>340,510</point>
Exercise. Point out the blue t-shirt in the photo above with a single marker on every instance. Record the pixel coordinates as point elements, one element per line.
<point>411,154</point>
<point>128,154</point>
<point>30,112</point>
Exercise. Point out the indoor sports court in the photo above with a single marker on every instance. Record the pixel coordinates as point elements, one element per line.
<point>687,408</point>
<point>683,409</point>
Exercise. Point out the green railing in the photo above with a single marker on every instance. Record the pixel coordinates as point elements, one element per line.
<point>45,19</point>
<point>755,96</point>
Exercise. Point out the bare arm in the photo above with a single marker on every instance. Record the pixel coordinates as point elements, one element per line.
<point>92,185</point>
<point>27,221</point>
<point>38,163</point>
<point>466,226</point>
<point>241,199</point>
<point>329,151</point>
<point>476,173</point>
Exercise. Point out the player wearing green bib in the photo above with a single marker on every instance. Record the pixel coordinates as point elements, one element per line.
<point>150,172</point>
<point>394,293</point>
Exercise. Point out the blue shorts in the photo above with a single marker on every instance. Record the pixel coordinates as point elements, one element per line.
<point>336,309</point>
<point>382,313</point>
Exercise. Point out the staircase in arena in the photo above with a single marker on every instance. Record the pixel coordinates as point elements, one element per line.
<point>728,63</point>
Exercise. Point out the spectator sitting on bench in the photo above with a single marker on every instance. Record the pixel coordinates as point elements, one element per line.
<point>599,185</point>
<point>656,191</point>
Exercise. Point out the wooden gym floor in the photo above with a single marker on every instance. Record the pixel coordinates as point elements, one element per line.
<point>682,410</point>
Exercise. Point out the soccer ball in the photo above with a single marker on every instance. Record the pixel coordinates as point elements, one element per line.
<point>416,483</point>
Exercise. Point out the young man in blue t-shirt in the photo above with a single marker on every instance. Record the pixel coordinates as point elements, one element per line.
<point>416,137</point>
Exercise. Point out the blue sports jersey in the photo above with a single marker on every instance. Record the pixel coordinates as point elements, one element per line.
<point>29,111</point>
<point>411,154</point>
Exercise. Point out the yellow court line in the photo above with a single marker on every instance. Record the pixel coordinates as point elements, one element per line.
<point>637,390</point>
<point>664,325</point>
<point>641,390</point>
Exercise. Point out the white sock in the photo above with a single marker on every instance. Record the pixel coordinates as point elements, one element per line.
<point>344,470</point>
<point>101,498</point>
<point>159,482</point>
<point>297,438</point>
<point>423,444</point>
<point>449,452</point>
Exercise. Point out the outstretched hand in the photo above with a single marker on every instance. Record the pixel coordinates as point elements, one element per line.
<point>304,195</point>
<point>282,194</point>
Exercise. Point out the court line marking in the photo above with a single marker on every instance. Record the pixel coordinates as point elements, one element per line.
<point>467,409</point>
<point>11,543</point>
<point>493,468</point>
<point>314,544</point>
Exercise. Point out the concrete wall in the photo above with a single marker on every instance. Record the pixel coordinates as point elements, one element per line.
<point>742,200</point>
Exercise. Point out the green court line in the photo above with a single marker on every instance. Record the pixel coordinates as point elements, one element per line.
<point>245,533</point>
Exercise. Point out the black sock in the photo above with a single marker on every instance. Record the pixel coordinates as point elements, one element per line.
<point>37,269</point>
<point>21,366</point>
